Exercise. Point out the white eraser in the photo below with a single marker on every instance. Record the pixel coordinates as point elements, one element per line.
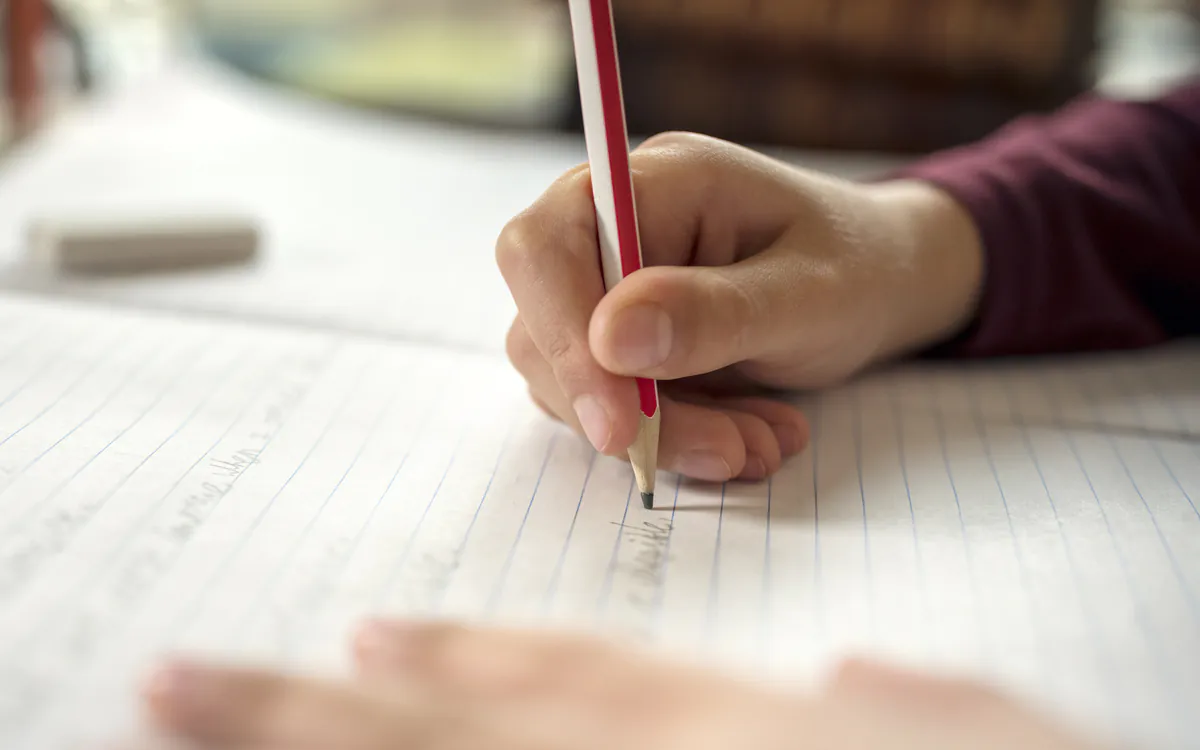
<point>125,245</point>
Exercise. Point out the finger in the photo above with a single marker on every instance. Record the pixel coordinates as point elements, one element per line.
<point>671,323</point>
<point>568,692</point>
<point>482,663</point>
<point>539,376</point>
<point>442,653</point>
<point>707,202</point>
<point>914,690</point>
<point>763,456</point>
<point>582,681</point>
<point>962,711</point>
<point>245,707</point>
<point>692,207</point>
<point>543,407</point>
<point>549,261</point>
<point>699,442</point>
<point>791,428</point>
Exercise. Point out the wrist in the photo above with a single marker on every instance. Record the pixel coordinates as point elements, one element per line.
<point>935,294</point>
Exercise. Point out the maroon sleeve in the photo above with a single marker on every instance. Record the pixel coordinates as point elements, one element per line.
<point>1090,221</point>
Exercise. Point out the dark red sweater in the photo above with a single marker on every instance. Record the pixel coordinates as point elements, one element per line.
<point>1090,220</point>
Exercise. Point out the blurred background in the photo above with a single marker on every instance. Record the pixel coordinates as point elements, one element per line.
<point>878,75</point>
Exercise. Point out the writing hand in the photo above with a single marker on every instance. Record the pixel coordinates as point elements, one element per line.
<point>759,275</point>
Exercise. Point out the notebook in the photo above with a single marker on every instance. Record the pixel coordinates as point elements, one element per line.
<point>249,492</point>
<point>242,464</point>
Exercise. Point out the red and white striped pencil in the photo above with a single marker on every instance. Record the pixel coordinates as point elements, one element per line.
<point>612,191</point>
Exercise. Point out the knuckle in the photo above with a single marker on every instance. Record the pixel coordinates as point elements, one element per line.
<point>516,247</point>
<point>699,161</point>
<point>558,348</point>
<point>520,347</point>
<point>703,157</point>
<point>543,406</point>
<point>743,309</point>
<point>538,236</point>
<point>678,139</point>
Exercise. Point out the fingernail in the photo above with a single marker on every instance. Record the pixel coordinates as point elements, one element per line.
<point>755,469</point>
<point>641,337</point>
<point>789,438</point>
<point>180,690</point>
<point>595,421</point>
<point>705,466</point>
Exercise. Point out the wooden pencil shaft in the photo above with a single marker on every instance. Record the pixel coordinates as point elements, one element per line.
<point>617,232</point>
<point>643,454</point>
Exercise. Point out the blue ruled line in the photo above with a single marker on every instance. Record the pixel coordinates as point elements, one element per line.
<point>666,563</point>
<point>715,574</point>
<point>459,551</point>
<point>939,425</point>
<point>606,588</point>
<point>552,587</point>
<point>498,590</point>
<point>898,424</point>
<point>268,588</point>
<point>1152,644</point>
<point>240,545</point>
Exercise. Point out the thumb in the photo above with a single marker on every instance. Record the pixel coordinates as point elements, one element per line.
<point>675,322</point>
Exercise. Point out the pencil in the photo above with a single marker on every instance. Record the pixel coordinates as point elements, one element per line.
<point>612,192</point>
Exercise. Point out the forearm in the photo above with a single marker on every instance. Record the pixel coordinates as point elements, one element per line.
<point>1089,227</point>
<point>936,296</point>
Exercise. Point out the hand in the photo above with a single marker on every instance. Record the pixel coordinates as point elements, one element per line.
<point>448,688</point>
<point>759,275</point>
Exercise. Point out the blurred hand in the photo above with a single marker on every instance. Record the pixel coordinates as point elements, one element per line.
<point>759,276</point>
<point>447,688</point>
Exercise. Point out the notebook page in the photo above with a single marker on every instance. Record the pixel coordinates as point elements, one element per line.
<point>251,494</point>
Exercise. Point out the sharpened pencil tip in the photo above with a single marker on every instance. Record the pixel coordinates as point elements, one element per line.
<point>648,500</point>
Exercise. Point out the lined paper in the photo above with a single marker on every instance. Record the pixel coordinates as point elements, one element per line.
<point>250,493</point>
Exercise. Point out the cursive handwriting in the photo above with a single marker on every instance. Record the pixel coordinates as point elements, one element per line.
<point>152,558</point>
<point>645,569</point>
<point>240,460</point>
<point>149,555</point>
